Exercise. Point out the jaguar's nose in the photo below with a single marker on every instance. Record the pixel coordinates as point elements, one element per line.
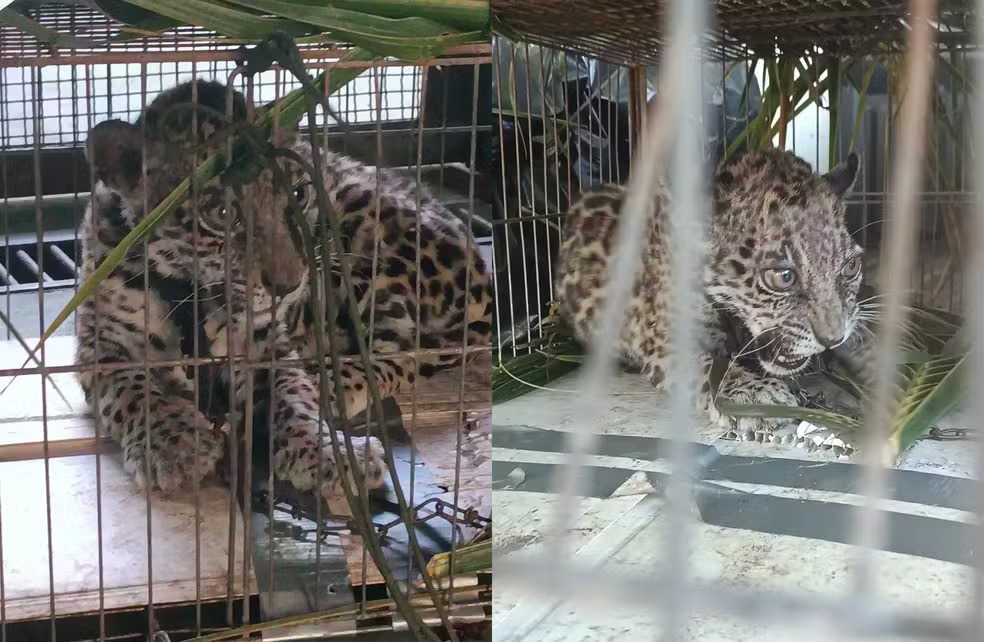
<point>830,340</point>
<point>828,327</point>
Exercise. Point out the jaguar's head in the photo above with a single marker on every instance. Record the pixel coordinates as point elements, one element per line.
<point>782,260</point>
<point>143,162</point>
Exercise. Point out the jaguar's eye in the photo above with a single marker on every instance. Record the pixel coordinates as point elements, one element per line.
<point>779,279</point>
<point>302,194</point>
<point>223,217</point>
<point>852,268</point>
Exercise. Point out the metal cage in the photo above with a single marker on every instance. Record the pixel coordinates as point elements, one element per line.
<point>86,556</point>
<point>622,511</point>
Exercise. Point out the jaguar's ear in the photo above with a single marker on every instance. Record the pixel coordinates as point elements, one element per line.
<point>842,177</point>
<point>114,149</point>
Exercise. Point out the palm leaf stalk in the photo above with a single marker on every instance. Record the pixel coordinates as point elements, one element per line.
<point>469,559</point>
<point>932,360</point>
<point>331,236</point>
<point>412,30</point>
<point>291,108</point>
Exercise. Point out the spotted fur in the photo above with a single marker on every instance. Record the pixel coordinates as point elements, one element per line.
<point>171,298</point>
<point>773,220</point>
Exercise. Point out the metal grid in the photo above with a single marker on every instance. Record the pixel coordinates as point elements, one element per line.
<point>910,195</point>
<point>631,32</point>
<point>565,126</point>
<point>395,117</point>
<point>66,91</point>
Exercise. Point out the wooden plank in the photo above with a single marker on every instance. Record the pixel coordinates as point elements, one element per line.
<point>71,485</point>
<point>22,408</point>
<point>440,401</point>
<point>75,542</point>
<point>359,574</point>
<point>433,412</point>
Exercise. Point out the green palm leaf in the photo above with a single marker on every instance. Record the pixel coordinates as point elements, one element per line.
<point>931,362</point>
<point>930,385</point>
<point>223,19</point>
<point>404,38</point>
<point>934,389</point>
<point>815,416</point>
<point>403,29</point>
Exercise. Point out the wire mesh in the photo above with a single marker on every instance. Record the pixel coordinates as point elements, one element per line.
<point>600,560</point>
<point>632,32</point>
<point>252,548</point>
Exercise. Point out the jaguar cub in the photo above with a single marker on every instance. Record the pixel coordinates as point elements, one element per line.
<point>780,283</point>
<point>189,288</point>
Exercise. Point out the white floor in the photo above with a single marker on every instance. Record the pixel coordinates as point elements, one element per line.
<point>94,511</point>
<point>750,555</point>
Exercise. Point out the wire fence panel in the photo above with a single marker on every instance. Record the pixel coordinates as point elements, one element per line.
<point>270,408</point>
<point>804,497</point>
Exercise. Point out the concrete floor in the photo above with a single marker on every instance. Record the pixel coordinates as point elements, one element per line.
<point>774,518</point>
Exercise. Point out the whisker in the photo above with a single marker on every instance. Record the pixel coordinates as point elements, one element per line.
<point>741,353</point>
<point>869,224</point>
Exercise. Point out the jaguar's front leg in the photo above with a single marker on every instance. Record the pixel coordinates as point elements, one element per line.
<point>302,455</point>
<point>302,436</point>
<point>739,385</point>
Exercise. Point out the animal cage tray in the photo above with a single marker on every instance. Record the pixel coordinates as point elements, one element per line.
<point>630,32</point>
<point>71,485</point>
<point>763,517</point>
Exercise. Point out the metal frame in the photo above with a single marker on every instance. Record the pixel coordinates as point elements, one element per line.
<point>439,126</point>
<point>545,582</point>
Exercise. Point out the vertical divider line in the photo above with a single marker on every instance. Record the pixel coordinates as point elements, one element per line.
<point>975,300</point>
<point>627,250</point>
<point>687,20</point>
<point>149,471</point>
<point>248,212</point>
<point>870,523</point>
<point>36,99</point>
<point>497,44</point>
<point>196,370</point>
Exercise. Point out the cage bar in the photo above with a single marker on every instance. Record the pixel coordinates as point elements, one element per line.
<point>244,548</point>
<point>607,501</point>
